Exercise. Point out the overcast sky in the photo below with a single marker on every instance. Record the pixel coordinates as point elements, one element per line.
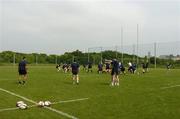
<point>57,26</point>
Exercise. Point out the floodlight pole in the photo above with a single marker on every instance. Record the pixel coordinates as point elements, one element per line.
<point>116,52</point>
<point>122,55</point>
<point>101,53</point>
<point>137,62</point>
<point>155,55</point>
<point>134,52</point>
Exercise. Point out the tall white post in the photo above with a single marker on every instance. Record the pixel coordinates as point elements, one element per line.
<point>155,45</point>
<point>122,54</point>
<point>137,45</point>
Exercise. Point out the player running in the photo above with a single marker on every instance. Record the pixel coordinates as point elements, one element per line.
<point>22,69</point>
<point>75,71</point>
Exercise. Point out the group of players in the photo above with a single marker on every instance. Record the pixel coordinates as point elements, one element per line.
<point>113,67</point>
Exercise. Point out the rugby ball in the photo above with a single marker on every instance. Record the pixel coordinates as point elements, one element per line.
<point>23,106</point>
<point>41,104</point>
<point>47,103</point>
<point>19,103</point>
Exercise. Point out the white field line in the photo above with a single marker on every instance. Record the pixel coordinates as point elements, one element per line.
<point>62,113</point>
<point>15,108</point>
<point>14,94</point>
<point>170,87</point>
<point>8,109</point>
<point>66,101</point>
<point>49,108</point>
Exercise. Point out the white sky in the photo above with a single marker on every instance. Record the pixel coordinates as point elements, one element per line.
<point>57,26</point>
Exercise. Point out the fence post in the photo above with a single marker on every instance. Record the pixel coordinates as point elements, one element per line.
<point>101,54</point>
<point>88,54</point>
<point>56,60</point>
<point>36,59</point>
<point>14,58</point>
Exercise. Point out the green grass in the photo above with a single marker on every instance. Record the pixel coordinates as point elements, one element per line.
<point>137,97</point>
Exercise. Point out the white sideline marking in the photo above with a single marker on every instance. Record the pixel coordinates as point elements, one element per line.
<point>54,110</point>
<point>170,87</point>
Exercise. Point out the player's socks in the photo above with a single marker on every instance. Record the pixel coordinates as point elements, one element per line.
<point>77,81</point>
<point>19,82</point>
<point>112,83</point>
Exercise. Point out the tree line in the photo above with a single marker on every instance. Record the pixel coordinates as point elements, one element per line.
<point>79,56</point>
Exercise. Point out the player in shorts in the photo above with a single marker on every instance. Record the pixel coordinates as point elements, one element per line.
<point>108,67</point>
<point>100,68</point>
<point>75,71</point>
<point>22,69</point>
<point>58,67</point>
<point>115,73</point>
<point>89,67</point>
<point>143,68</point>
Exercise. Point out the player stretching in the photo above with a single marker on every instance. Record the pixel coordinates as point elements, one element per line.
<point>115,73</point>
<point>22,69</point>
<point>75,71</point>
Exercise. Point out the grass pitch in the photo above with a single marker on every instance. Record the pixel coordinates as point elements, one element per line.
<point>154,95</point>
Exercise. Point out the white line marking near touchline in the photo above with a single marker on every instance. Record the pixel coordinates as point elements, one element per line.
<point>49,108</point>
<point>170,87</point>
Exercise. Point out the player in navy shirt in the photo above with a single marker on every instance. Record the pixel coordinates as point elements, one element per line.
<point>89,67</point>
<point>107,67</point>
<point>100,68</point>
<point>115,73</point>
<point>75,71</point>
<point>22,69</point>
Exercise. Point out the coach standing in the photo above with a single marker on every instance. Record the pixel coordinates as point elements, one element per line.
<point>22,69</point>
